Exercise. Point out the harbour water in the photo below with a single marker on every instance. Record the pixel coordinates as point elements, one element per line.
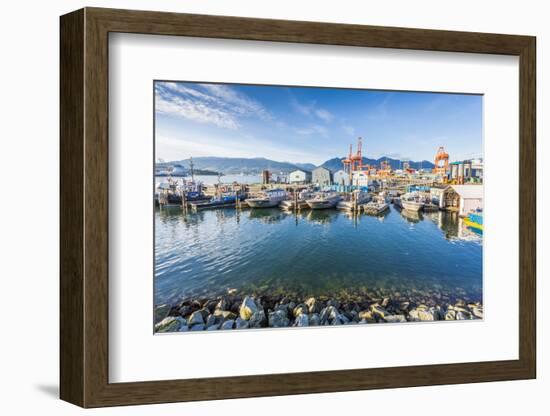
<point>312,253</point>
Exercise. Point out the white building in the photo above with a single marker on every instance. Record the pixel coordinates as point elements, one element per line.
<point>471,198</point>
<point>300,176</point>
<point>360,178</point>
<point>341,178</point>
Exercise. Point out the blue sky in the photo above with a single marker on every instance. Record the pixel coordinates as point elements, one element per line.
<point>297,124</point>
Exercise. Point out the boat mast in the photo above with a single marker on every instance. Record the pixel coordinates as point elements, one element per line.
<point>192,170</point>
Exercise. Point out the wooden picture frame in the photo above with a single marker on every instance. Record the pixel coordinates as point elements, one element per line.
<point>84,207</point>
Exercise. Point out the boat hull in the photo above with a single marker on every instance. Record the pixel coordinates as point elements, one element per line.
<point>322,203</point>
<point>411,206</point>
<point>262,203</point>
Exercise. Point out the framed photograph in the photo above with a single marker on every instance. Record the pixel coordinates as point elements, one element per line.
<point>257,207</point>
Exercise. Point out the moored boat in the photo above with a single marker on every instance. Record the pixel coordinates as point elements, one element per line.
<point>324,200</point>
<point>412,202</point>
<point>267,199</point>
<point>299,202</point>
<point>376,207</point>
<point>355,199</point>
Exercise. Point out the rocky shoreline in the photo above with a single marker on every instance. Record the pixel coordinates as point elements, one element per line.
<point>234,311</point>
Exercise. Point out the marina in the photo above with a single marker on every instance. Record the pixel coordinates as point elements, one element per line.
<point>274,216</point>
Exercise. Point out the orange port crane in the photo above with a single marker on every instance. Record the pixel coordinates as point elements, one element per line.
<point>441,162</point>
<point>357,158</point>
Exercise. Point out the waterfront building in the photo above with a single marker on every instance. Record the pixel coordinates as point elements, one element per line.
<point>300,176</point>
<point>360,178</point>
<point>463,199</point>
<point>341,178</point>
<point>322,176</point>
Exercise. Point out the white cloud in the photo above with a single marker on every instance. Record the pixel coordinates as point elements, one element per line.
<point>219,105</point>
<point>349,130</point>
<point>324,115</point>
<point>313,129</point>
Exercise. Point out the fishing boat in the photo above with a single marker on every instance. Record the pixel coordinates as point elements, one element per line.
<point>376,207</point>
<point>324,200</point>
<point>225,199</point>
<point>412,202</point>
<point>267,199</point>
<point>299,202</point>
<point>474,221</point>
<point>355,199</point>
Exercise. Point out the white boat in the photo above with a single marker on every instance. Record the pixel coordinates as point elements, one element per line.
<point>377,206</point>
<point>412,202</point>
<point>355,198</point>
<point>301,200</point>
<point>324,200</point>
<point>267,199</point>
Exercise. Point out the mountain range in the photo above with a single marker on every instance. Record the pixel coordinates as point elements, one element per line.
<point>233,165</point>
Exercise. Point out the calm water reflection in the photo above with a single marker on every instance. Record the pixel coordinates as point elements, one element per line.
<point>317,252</point>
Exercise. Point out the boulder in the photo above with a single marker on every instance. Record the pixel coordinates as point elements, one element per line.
<point>366,316</point>
<point>314,306</point>
<point>278,319</point>
<point>228,324</point>
<point>196,318</point>
<point>170,324</point>
<point>248,307</point>
<point>241,324</point>
<point>211,320</point>
<point>395,318</point>
<point>421,315</point>
<point>257,320</point>
<point>198,327</point>
<point>214,327</point>
<point>210,305</point>
<point>463,315</point>
<point>161,312</point>
<point>300,309</point>
<point>302,320</point>
<point>378,310</point>
<point>477,311</point>
<point>314,319</point>
<point>222,304</point>
<point>225,315</point>
<point>450,315</point>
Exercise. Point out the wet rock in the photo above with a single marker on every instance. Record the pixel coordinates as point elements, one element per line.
<point>404,306</point>
<point>241,323</point>
<point>450,315</point>
<point>463,315</point>
<point>210,305</point>
<point>302,320</point>
<point>378,310</point>
<point>366,316</point>
<point>258,320</point>
<point>328,314</point>
<point>248,307</point>
<point>300,309</point>
<point>334,303</point>
<point>228,324</point>
<point>184,328</point>
<point>198,327</point>
<point>196,318</point>
<point>170,324</point>
<point>214,327</point>
<point>161,312</point>
<point>225,315</point>
<point>477,311</point>
<point>395,318</point>
<point>314,306</point>
<point>421,314</point>
<point>222,304</point>
<point>278,319</point>
<point>185,310</point>
<point>314,319</point>
<point>211,320</point>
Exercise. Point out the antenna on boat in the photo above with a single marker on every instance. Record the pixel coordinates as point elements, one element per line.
<point>191,167</point>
